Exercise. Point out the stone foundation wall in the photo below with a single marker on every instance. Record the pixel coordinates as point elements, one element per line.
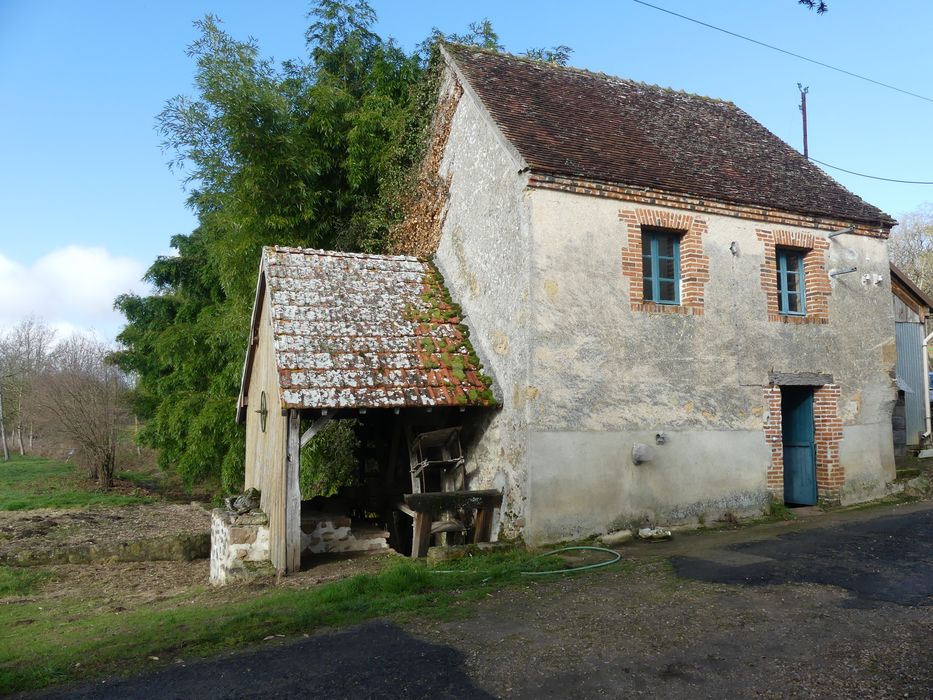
<point>239,545</point>
<point>336,533</point>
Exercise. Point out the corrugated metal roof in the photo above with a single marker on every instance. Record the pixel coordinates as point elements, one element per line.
<point>366,331</point>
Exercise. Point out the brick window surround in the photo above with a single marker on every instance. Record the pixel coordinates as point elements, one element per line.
<point>830,475</point>
<point>815,275</point>
<point>694,265</point>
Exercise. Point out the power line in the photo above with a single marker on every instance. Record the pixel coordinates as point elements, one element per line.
<point>872,177</point>
<point>789,53</point>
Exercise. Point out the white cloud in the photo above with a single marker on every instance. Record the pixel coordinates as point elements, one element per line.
<point>71,288</point>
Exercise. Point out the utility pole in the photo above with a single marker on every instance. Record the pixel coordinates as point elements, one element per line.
<point>803,112</point>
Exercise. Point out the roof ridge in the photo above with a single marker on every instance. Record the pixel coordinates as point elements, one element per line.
<point>339,253</point>
<point>576,123</point>
<point>600,75</point>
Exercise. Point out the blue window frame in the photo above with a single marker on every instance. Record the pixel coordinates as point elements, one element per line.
<point>661,267</point>
<point>790,283</point>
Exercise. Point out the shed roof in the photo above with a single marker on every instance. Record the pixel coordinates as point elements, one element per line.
<point>363,331</point>
<point>921,297</point>
<point>574,123</point>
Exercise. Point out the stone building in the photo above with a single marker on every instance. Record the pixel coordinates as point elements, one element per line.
<point>683,315</point>
<point>680,316</point>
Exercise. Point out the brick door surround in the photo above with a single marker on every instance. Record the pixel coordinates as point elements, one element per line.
<point>830,475</point>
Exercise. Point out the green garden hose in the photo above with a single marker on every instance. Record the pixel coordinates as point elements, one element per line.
<point>615,557</point>
<point>615,554</point>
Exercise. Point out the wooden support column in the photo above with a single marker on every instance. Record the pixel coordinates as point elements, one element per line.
<point>482,524</point>
<point>292,493</point>
<point>422,535</point>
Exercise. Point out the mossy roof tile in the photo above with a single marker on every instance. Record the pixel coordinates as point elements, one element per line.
<point>352,330</point>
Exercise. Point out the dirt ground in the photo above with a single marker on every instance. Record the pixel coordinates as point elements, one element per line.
<point>47,530</point>
<point>838,607</point>
<point>126,585</point>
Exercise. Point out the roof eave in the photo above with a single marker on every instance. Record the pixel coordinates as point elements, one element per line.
<point>253,341</point>
<point>901,277</point>
<point>885,222</point>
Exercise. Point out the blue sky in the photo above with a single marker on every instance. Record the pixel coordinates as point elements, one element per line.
<point>86,201</point>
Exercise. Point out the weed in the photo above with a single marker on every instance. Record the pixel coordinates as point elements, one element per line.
<point>20,581</point>
<point>779,510</point>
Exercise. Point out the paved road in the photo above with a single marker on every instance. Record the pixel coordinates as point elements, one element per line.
<point>858,626</point>
<point>373,660</point>
<point>885,559</point>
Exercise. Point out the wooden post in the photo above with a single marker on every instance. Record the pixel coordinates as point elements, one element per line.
<point>422,535</point>
<point>292,493</point>
<point>482,524</point>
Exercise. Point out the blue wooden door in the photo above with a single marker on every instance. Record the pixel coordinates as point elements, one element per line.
<point>799,445</point>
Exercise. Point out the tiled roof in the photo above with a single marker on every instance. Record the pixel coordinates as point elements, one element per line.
<point>367,331</point>
<point>573,123</point>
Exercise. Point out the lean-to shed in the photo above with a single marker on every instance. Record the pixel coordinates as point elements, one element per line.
<point>336,334</point>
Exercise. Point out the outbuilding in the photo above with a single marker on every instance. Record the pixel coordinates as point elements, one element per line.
<point>338,335</point>
<point>910,421</point>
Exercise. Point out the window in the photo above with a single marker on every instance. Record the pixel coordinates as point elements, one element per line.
<point>791,296</point>
<point>661,267</point>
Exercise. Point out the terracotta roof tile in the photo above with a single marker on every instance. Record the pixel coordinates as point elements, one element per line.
<point>573,123</point>
<point>367,331</point>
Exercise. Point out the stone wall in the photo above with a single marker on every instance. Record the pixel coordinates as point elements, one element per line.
<point>548,273</point>
<point>610,372</point>
<point>325,533</point>
<point>239,545</point>
<point>484,257</point>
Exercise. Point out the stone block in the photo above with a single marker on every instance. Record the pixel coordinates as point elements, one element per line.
<point>254,518</point>
<point>614,539</point>
<point>494,546</point>
<point>449,553</point>
<point>242,535</point>
<point>654,534</point>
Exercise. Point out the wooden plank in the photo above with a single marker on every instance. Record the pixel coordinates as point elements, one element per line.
<point>433,503</point>
<point>482,524</point>
<point>412,459</point>
<point>422,535</point>
<point>406,510</point>
<point>314,429</point>
<point>293,494</point>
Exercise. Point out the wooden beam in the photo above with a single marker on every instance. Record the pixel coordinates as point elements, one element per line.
<point>293,493</point>
<point>422,535</point>
<point>436,502</point>
<point>314,429</point>
<point>482,524</point>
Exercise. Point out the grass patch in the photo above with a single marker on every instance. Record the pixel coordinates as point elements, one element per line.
<point>778,510</point>
<point>64,632</point>
<point>138,478</point>
<point>29,482</point>
<point>16,581</point>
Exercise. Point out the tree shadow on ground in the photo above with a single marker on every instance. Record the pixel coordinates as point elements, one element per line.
<point>373,660</point>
